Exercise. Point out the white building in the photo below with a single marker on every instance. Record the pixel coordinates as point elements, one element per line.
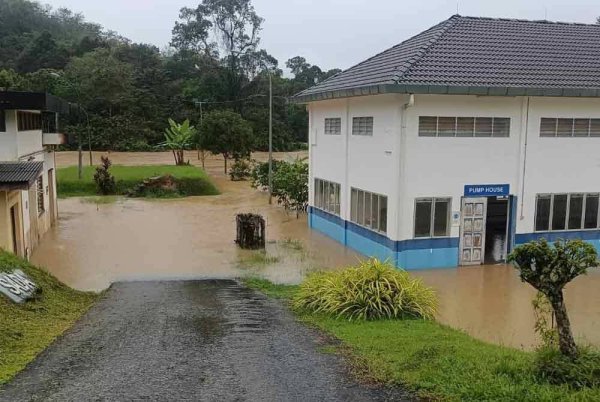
<point>460,143</point>
<point>28,134</point>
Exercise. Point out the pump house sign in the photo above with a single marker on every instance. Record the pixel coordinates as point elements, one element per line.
<point>17,286</point>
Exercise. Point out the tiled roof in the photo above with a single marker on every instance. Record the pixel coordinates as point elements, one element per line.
<point>19,173</point>
<point>479,55</point>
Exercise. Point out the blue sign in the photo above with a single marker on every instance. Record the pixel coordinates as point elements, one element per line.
<point>487,190</point>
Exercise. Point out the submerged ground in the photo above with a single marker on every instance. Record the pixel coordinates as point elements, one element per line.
<point>97,244</point>
<point>192,340</point>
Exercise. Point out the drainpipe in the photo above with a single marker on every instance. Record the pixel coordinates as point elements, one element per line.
<point>526,132</point>
<point>401,168</point>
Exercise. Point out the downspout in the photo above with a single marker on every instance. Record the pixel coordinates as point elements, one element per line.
<point>401,180</point>
<point>522,215</point>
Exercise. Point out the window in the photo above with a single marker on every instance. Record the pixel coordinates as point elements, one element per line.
<point>553,127</point>
<point>49,123</point>
<point>327,196</point>
<point>566,212</point>
<point>28,121</point>
<point>40,195</point>
<point>2,121</point>
<point>362,126</point>
<point>432,126</point>
<point>333,126</point>
<point>432,217</point>
<point>369,210</point>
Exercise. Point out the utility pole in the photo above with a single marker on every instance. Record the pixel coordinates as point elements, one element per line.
<point>270,138</point>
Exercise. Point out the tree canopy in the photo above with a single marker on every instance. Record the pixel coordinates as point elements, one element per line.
<point>128,90</point>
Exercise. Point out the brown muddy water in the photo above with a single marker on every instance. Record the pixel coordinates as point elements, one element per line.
<point>94,245</point>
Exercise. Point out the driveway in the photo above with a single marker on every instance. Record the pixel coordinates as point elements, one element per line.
<point>188,340</point>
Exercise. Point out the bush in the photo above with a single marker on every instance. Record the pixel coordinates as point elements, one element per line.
<point>290,182</point>
<point>240,170</point>
<point>555,368</point>
<point>372,290</point>
<point>105,181</point>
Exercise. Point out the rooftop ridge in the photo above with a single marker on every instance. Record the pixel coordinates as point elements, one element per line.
<point>527,21</point>
<point>409,64</point>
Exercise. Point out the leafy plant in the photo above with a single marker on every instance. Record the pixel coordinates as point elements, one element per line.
<point>372,290</point>
<point>179,137</point>
<point>240,170</point>
<point>544,320</point>
<point>548,269</point>
<point>554,367</point>
<point>105,181</point>
<point>290,182</point>
<point>227,133</point>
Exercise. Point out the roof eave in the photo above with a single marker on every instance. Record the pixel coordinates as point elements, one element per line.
<point>445,90</point>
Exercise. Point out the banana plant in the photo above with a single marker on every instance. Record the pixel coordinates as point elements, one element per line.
<point>178,138</point>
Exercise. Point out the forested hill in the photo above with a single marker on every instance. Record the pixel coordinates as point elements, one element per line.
<point>128,91</point>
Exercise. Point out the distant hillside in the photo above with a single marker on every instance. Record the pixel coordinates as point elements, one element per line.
<point>33,36</point>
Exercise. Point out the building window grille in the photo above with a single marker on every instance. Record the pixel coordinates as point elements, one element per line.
<point>568,127</point>
<point>40,195</point>
<point>559,212</point>
<point>327,196</point>
<point>432,217</point>
<point>362,126</point>
<point>434,126</point>
<point>29,121</point>
<point>369,210</point>
<point>333,126</point>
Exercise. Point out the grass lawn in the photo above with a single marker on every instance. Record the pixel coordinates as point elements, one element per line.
<point>190,179</point>
<point>27,329</point>
<point>433,360</point>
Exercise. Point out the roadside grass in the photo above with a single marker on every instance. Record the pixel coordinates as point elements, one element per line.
<point>191,180</point>
<point>27,329</point>
<point>259,259</point>
<point>433,360</point>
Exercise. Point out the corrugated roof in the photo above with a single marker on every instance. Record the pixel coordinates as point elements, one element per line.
<point>19,173</point>
<point>479,55</point>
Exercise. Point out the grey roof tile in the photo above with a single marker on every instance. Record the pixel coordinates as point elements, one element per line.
<point>20,172</point>
<point>482,52</point>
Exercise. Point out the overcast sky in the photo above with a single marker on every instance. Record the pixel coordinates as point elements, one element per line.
<point>329,33</point>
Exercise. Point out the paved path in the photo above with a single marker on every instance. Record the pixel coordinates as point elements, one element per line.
<point>200,341</point>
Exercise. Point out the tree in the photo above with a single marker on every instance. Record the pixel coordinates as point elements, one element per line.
<point>548,269</point>
<point>227,133</point>
<point>225,29</point>
<point>178,137</point>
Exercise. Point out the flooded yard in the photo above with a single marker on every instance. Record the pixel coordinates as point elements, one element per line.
<point>94,245</point>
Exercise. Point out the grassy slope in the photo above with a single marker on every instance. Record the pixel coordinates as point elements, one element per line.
<point>434,360</point>
<point>26,330</point>
<point>195,180</point>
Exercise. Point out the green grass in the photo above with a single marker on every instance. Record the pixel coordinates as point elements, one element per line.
<point>191,180</point>
<point>27,329</point>
<point>433,360</point>
<point>259,259</point>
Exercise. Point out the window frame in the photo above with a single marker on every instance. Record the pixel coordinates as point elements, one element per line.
<point>40,195</point>
<point>29,121</point>
<point>568,212</point>
<point>338,125</point>
<point>356,126</point>
<point>433,201</point>
<point>495,121</point>
<point>375,221</point>
<point>593,124</point>
<point>322,196</point>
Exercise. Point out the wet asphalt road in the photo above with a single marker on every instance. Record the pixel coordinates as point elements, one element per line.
<point>193,340</point>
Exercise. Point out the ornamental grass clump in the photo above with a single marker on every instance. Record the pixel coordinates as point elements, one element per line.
<point>370,291</point>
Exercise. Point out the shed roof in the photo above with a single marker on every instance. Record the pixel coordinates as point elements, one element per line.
<point>19,175</point>
<point>484,56</point>
<point>12,100</point>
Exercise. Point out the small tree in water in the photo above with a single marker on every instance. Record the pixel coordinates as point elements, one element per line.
<point>105,181</point>
<point>548,269</point>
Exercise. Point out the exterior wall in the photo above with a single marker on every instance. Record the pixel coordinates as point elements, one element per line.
<point>7,201</point>
<point>398,163</point>
<point>27,146</point>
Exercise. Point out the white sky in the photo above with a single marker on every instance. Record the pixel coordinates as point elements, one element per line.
<point>329,33</point>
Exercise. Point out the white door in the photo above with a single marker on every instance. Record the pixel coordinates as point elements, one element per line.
<point>472,232</point>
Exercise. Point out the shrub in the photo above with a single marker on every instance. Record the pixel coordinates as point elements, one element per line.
<point>105,181</point>
<point>371,290</point>
<point>555,368</point>
<point>240,170</point>
<point>290,182</point>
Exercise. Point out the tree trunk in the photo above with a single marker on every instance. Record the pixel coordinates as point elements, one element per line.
<point>566,342</point>
<point>225,157</point>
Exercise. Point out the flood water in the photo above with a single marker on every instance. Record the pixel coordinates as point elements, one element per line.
<point>94,245</point>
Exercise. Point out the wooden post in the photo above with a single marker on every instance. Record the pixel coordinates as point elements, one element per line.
<point>250,231</point>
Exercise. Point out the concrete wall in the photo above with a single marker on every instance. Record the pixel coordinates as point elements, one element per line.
<point>398,163</point>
